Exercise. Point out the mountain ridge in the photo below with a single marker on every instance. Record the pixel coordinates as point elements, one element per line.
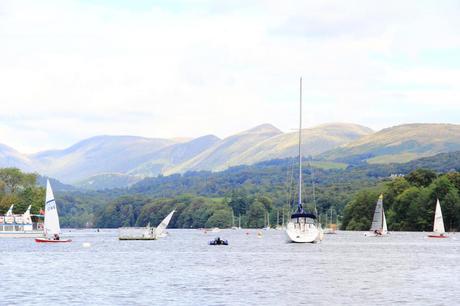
<point>112,157</point>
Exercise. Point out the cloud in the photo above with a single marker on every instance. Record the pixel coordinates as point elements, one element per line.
<point>75,69</point>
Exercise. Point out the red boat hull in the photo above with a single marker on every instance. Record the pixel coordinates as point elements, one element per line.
<point>44,240</point>
<point>437,236</point>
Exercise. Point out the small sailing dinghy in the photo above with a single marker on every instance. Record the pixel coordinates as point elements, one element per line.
<point>160,230</point>
<point>438,226</point>
<point>379,222</point>
<point>146,233</point>
<point>51,223</point>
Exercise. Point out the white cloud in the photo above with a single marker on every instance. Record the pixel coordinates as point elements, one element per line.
<point>72,69</point>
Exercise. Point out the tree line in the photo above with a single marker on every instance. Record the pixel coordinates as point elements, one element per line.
<point>20,189</point>
<point>409,202</point>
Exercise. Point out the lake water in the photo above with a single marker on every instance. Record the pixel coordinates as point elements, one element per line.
<point>345,269</point>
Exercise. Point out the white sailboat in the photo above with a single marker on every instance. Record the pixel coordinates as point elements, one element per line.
<point>379,222</point>
<point>160,230</point>
<point>146,233</point>
<point>302,228</point>
<point>438,224</point>
<point>51,223</point>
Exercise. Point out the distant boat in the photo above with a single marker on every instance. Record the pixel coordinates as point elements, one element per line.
<point>438,224</point>
<point>218,241</point>
<point>302,228</point>
<point>331,227</point>
<point>20,226</point>
<point>160,230</point>
<point>379,222</point>
<point>267,221</point>
<point>52,227</point>
<point>233,222</point>
<point>146,233</point>
<point>278,226</point>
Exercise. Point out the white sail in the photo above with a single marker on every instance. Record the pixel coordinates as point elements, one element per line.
<point>385,228</point>
<point>9,213</point>
<point>51,223</point>
<point>438,226</point>
<point>160,229</point>
<point>26,218</point>
<point>379,216</point>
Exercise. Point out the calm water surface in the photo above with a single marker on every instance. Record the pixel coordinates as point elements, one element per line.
<point>345,269</point>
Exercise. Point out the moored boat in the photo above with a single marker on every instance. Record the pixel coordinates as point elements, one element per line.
<point>21,226</point>
<point>303,225</point>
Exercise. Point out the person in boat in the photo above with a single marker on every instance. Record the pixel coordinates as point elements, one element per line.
<point>218,241</point>
<point>56,237</point>
<point>377,232</point>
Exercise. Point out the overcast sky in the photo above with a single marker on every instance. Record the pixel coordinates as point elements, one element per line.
<point>75,69</point>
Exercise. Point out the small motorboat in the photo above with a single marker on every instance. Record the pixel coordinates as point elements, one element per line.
<point>218,241</point>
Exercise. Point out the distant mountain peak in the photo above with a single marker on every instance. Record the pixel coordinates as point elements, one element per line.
<point>263,129</point>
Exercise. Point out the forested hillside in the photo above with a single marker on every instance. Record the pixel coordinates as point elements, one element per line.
<point>207,199</point>
<point>409,202</point>
<point>242,189</point>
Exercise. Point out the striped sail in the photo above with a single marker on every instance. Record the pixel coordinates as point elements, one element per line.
<point>379,216</point>
<point>51,223</point>
<point>438,226</point>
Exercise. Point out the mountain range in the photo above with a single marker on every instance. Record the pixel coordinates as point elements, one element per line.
<point>113,161</point>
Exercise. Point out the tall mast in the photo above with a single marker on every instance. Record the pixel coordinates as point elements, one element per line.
<point>300,153</point>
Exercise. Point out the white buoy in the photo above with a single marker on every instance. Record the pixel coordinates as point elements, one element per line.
<point>86,244</point>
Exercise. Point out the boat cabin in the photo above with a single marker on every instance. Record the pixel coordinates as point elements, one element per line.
<point>16,223</point>
<point>303,219</point>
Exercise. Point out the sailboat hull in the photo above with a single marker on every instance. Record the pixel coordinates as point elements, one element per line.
<point>308,234</point>
<point>45,240</point>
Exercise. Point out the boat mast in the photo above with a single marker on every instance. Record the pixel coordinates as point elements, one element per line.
<point>299,207</point>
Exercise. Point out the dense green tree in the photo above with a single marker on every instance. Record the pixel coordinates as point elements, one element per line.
<point>221,218</point>
<point>359,212</point>
<point>256,215</point>
<point>421,177</point>
<point>14,178</point>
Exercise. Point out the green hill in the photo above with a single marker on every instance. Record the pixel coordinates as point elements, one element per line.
<point>399,144</point>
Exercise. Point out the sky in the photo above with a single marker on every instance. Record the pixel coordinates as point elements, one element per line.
<point>72,69</point>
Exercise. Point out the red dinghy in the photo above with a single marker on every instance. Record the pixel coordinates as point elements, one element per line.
<point>51,240</point>
<point>438,236</point>
<point>51,224</point>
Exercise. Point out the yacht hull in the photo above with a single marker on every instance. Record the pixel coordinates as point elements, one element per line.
<point>308,234</point>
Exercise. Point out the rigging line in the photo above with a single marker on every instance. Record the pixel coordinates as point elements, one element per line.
<point>290,178</point>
